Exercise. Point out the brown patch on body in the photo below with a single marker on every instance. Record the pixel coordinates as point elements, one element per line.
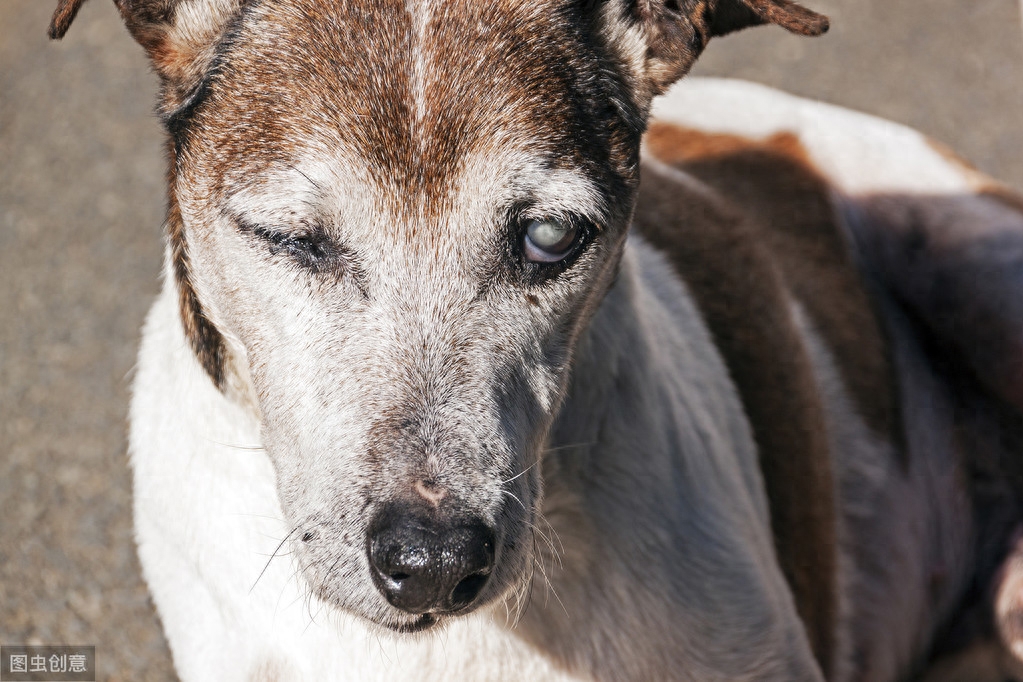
<point>742,296</point>
<point>763,233</point>
<point>774,184</point>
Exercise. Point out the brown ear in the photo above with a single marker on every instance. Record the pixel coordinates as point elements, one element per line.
<point>179,43</point>
<point>181,39</point>
<point>677,31</point>
<point>731,15</point>
<point>62,18</point>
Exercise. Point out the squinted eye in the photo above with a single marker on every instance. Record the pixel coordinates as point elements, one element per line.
<point>310,250</point>
<point>549,240</point>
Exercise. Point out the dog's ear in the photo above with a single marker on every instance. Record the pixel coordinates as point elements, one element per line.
<point>675,32</point>
<point>178,35</point>
<point>725,16</point>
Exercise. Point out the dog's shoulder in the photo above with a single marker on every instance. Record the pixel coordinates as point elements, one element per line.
<point>757,231</point>
<point>769,205</point>
<point>789,222</point>
<point>938,236</point>
<point>751,229</point>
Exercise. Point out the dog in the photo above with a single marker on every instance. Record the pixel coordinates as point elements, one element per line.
<point>437,389</point>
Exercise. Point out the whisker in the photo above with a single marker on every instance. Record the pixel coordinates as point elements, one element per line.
<point>281,544</point>
<point>548,584</point>
<point>235,446</point>
<point>512,495</point>
<point>521,473</point>
<point>568,446</point>
<point>556,549</point>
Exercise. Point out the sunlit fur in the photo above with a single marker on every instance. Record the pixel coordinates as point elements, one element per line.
<point>587,411</point>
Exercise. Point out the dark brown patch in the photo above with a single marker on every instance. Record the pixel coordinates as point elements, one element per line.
<point>790,16</point>
<point>516,74</point>
<point>742,294</point>
<point>763,232</point>
<point>773,183</point>
<point>677,31</point>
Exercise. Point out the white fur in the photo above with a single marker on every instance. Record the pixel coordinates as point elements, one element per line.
<point>857,152</point>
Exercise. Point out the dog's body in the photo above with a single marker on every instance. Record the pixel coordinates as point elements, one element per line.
<point>759,465</point>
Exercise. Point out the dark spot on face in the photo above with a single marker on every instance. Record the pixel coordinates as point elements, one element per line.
<point>533,300</point>
<point>308,536</point>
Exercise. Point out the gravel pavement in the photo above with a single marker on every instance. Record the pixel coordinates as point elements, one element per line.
<point>81,198</point>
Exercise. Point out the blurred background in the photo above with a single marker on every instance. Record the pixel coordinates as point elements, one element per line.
<point>81,203</point>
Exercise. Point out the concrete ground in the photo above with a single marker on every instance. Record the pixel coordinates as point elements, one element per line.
<point>81,200</point>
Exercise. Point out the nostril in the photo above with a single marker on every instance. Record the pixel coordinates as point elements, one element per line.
<point>308,536</point>
<point>468,589</point>
<point>398,577</point>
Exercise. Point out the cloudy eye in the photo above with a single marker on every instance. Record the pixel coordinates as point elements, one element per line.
<point>549,240</point>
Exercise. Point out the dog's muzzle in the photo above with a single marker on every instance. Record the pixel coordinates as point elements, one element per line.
<point>424,565</point>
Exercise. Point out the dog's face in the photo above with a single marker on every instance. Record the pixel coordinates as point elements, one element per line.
<point>404,218</point>
<point>395,220</point>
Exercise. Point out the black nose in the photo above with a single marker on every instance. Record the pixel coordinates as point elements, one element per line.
<point>425,566</point>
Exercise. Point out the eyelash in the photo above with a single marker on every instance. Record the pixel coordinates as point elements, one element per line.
<point>292,243</point>
<point>310,249</point>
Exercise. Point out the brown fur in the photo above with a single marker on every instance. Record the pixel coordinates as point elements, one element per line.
<point>206,341</point>
<point>370,103</point>
<point>766,231</point>
<point>679,30</point>
<point>952,263</point>
<point>65,13</point>
<point>414,153</point>
<point>742,295</point>
<point>775,181</point>
<point>530,95</point>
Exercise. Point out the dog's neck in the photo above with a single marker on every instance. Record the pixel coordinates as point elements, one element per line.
<point>613,430</point>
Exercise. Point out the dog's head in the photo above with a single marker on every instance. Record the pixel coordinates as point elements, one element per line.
<point>394,219</point>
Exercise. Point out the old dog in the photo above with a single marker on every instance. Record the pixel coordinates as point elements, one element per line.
<point>437,389</point>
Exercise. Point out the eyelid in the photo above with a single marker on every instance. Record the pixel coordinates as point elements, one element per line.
<point>273,227</point>
<point>309,244</point>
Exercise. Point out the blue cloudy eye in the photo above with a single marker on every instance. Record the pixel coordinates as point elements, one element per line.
<point>549,240</point>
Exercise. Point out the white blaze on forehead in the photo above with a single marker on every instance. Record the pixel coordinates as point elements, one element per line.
<point>421,12</point>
